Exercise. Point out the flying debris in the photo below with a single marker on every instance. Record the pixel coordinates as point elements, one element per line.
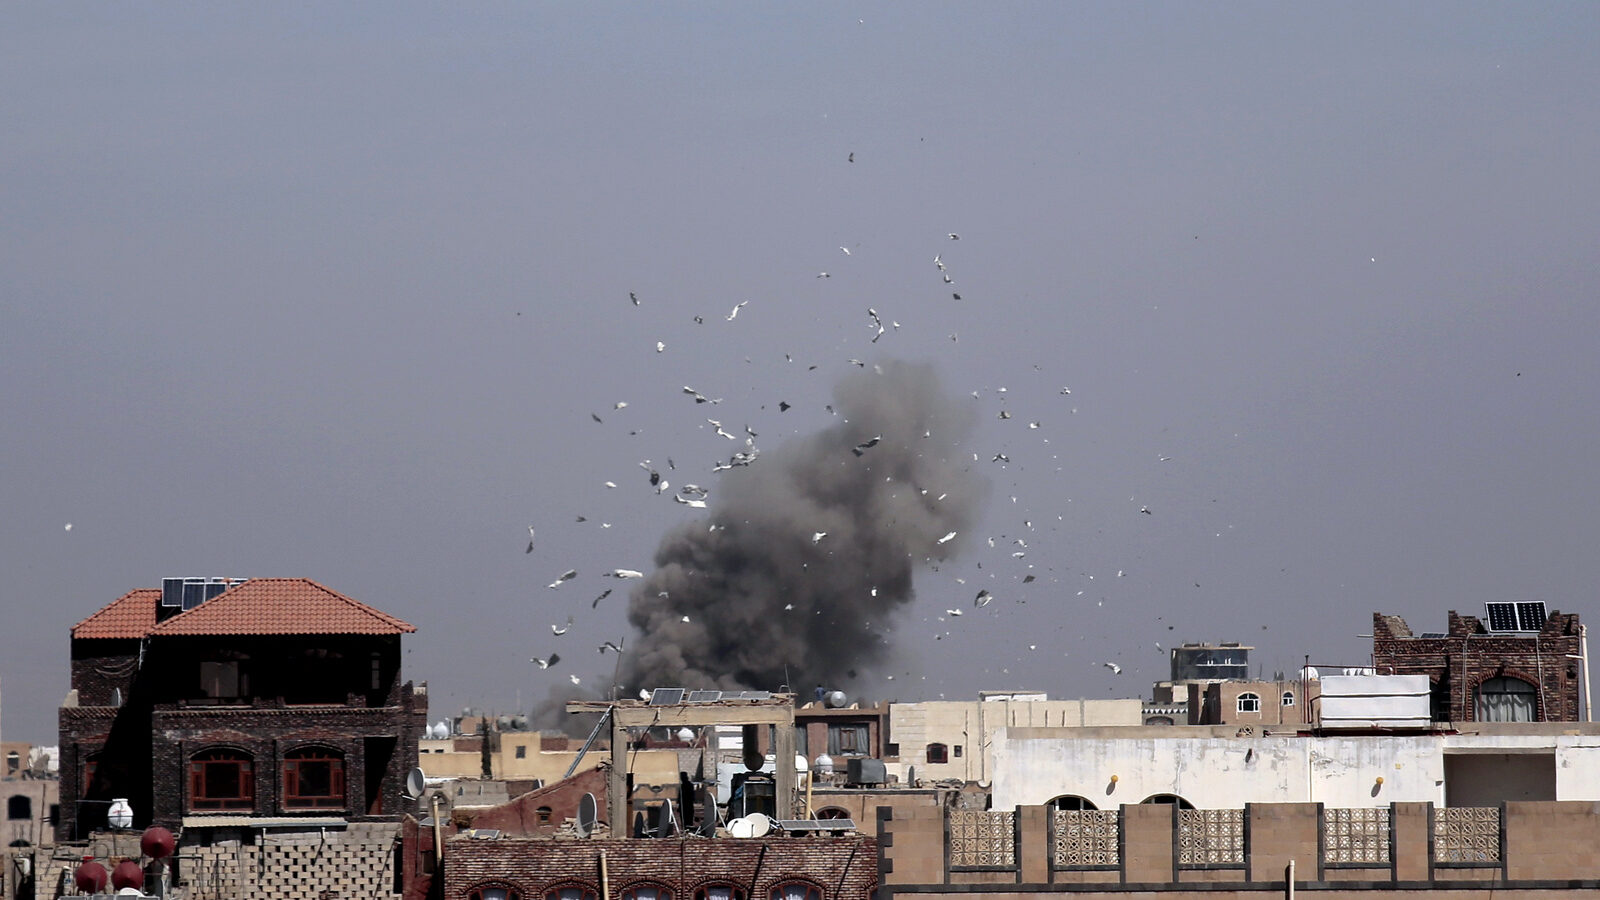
<point>948,279</point>
<point>851,158</point>
<point>634,297</point>
<point>530,539</point>
<point>876,322</point>
<point>1115,669</point>
<point>953,612</point>
<point>864,446</point>
<point>614,648</point>
<point>1027,579</point>
<point>546,663</point>
<point>699,397</point>
<point>846,250</point>
<point>660,346</point>
<point>603,594</point>
<point>568,575</point>
<point>823,275</point>
<point>685,619</point>
<point>720,431</point>
<point>983,599</point>
<point>817,536</point>
<point>69,526</point>
<point>595,417</point>
<point>1146,510</point>
<point>1004,414</point>
<point>574,679</point>
<point>559,630</point>
<point>955,295</point>
<point>1066,390</point>
<point>689,502</point>
<point>954,236</point>
<point>946,539</point>
<point>736,307</point>
<point>620,404</point>
<point>622,573</point>
<point>611,484</point>
<point>783,406</point>
<point>1001,457</point>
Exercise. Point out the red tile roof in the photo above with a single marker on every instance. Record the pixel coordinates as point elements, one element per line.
<point>281,606</point>
<point>258,606</point>
<point>132,616</point>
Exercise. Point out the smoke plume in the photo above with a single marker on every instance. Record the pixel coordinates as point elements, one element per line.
<point>753,599</point>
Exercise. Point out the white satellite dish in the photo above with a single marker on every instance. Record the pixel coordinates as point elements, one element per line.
<point>759,824</point>
<point>668,823</point>
<point>588,810</point>
<point>415,784</point>
<point>741,828</point>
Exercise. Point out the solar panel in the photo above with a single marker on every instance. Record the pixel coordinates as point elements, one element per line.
<point>1530,615</point>
<point>172,592</point>
<point>795,826</point>
<point>666,696</point>
<point>1502,616</point>
<point>755,695</point>
<point>703,697</point>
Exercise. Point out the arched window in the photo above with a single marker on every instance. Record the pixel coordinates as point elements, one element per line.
<point>796,890</point>
<point>1288,698</point>
<point>493,892</point>
<point>221,779</point>
<point>19,806</point>
<point>1249,703</point>
<point>13,762</point>
<point>543,814</point>
<point>1169,799</point>
<point>938,753</point>
<point>313,778</point>
<point>719,892</point>
<point>1158,720</point>
<point>1072,802</point>
<point>645,891</point>
<point>572,892</point>
<point>833,812</point>
<point>1506,700</point>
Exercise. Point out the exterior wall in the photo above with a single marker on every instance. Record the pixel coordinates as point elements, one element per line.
<point>1526,850</point>
<point>648,766</point>
<point>842,868</point>
<point>522,815</point>
<point>974,724</point>
<point>862,805</point>
<point>1033,766</point>
<point>1217,703</point>
<point>37,828</point>
<point>1469,655</point>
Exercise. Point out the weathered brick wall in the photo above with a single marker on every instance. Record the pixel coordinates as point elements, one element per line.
<point>844,868</point>
<point>1469,655</point>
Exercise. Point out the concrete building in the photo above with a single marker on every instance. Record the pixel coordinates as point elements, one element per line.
<point>213,704</point>
<point>1213,767</point>
<point>1521,665</point>
<point>1253,703</point>
<point>952,739</point>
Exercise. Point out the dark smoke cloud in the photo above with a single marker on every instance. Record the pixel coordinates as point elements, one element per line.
<point>884,511</point>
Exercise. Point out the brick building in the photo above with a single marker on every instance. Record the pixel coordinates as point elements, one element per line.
<point>1521,666</point>
<point>238,705</point>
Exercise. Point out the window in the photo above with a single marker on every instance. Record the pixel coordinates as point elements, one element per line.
<point>1506,700</point>
<point>221,780</point>
<point>493,892</point>
<point>13,762</point>
<point>1072,802</point>
<point>220,679</point>
<point>572,892</point>
<point>937,753</point>
<point>1170,799</point>
<point>522,751</point>
<point>833,812</point>
<point>20,806</point>
<point>313,778</point>
<point>543,814</point>
<point>90,767</point>
<point>719,892</point>
<point>1249,703</point>
<point>1158,720</point>
<point>847,740</point>
<point>891,750</point>
<point>958,751</point>
<point>796,890</point>
<point>1288,698</point>
<point>645,892</point>
<point>377,672</point>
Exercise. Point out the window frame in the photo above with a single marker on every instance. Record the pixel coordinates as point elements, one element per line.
<point>476,892</point>
<point>630,892</point>
<point>585,891</point>
<point>1287,699</point>
<point>203,762</point>
<point>1248,697</point>
<point>735,892</point>
<point>293,779</point>
<point>937,754</point>
<point>813,891</point>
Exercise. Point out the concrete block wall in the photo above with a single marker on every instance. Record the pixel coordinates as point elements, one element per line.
<point>297,870</point>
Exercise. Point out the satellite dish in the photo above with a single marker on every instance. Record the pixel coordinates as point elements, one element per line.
<point>415,784</point>
<point>741,828</point>
<point>668,823</point>
<point>759,824</point>
<point>588,809</point>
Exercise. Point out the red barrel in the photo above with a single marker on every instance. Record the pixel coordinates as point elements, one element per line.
<point>127,874</point>
<point>157,842</point>
<point>90,876</point>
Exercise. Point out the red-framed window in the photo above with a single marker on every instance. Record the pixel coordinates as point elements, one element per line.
<point>572,892</point>
<point>719,892</point>
<point>313,778</point>
<point>493,892</point>
<point>221,780</point>
<point>645,891</point>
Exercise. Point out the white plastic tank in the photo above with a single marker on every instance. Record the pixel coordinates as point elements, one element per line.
<point>824,764</point>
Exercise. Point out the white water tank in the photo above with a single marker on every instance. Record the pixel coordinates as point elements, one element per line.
<point>824,764</point>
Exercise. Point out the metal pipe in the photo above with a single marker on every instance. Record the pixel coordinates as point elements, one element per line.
<point>1288,881</point>
<point>438,836</point>
<point>1583,648</point>
<point>605,877</point>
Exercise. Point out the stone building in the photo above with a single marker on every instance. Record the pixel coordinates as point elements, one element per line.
<point>1522,665</point>
<point>237,705</point>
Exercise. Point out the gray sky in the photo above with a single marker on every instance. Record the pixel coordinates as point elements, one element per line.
<point>332,291</point>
